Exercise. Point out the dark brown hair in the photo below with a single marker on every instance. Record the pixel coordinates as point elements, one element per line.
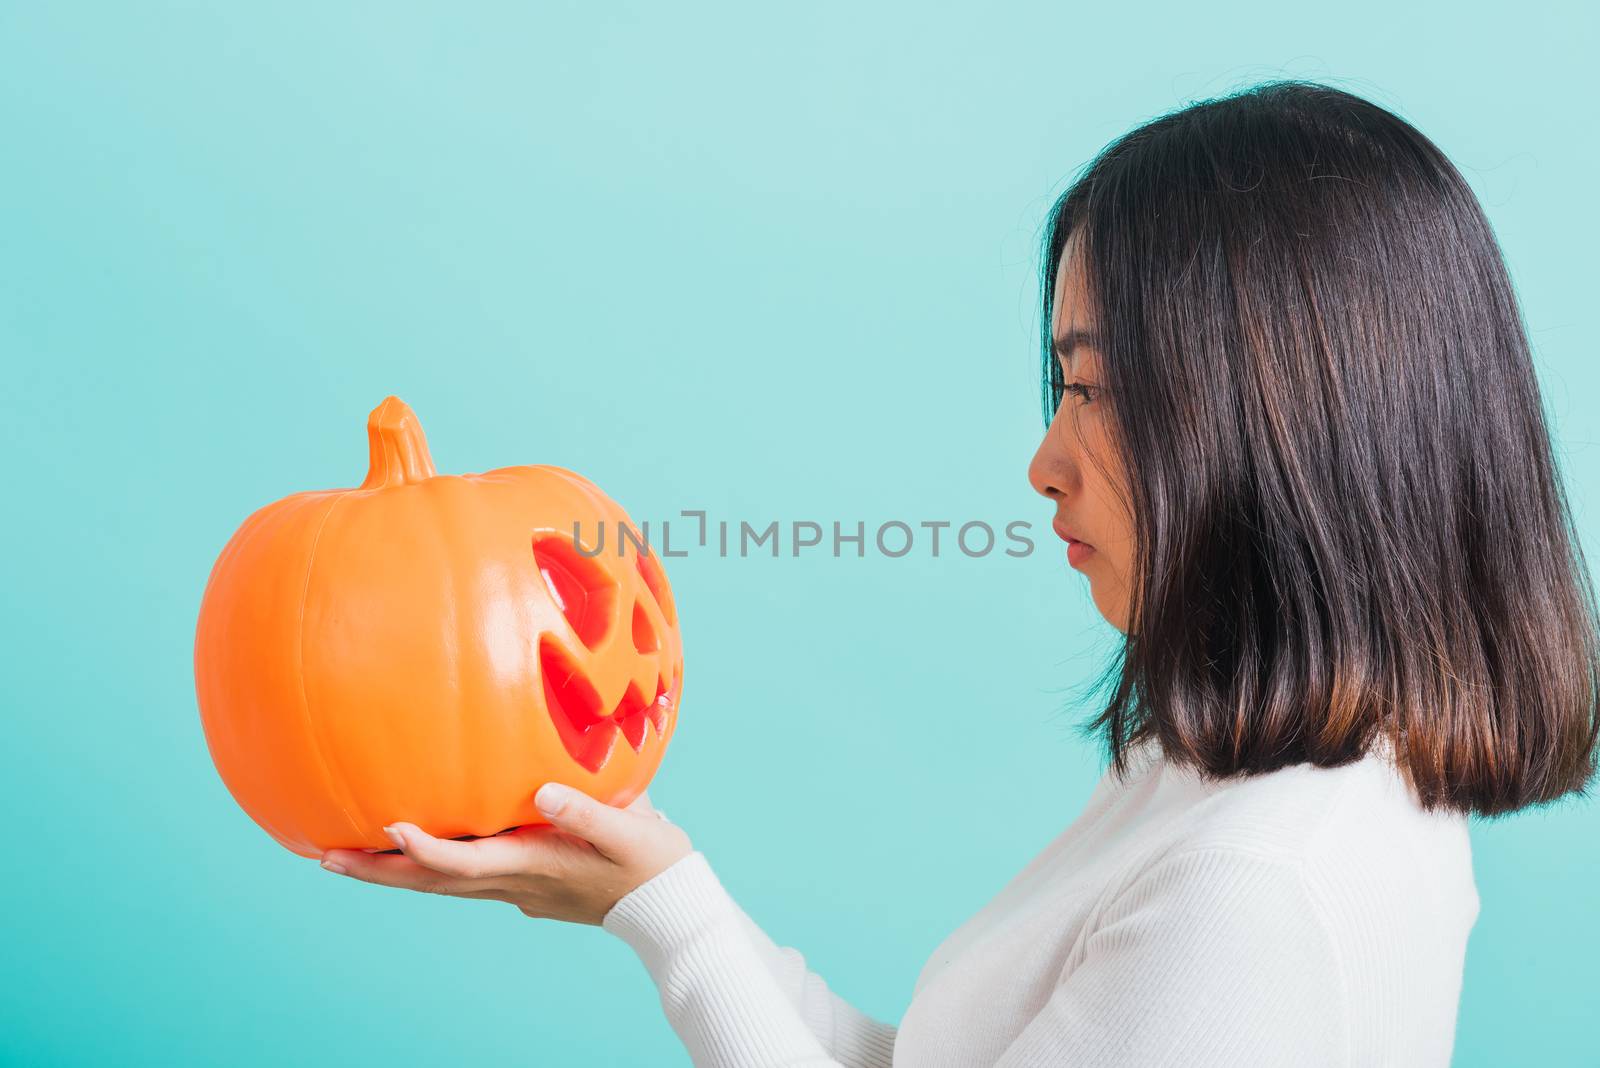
<point>1348,518</point>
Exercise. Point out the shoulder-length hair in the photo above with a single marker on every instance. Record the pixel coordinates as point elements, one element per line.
<point>1349,524</point>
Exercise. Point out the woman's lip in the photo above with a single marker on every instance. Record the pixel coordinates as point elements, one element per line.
<point>1068,538</point>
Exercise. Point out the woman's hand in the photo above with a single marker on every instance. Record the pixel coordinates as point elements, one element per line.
<point>574,868</point>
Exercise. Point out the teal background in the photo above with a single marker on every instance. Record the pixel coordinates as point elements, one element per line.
<point>776,263</point>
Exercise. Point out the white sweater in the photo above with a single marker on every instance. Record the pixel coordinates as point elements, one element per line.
<point>1310,916</point>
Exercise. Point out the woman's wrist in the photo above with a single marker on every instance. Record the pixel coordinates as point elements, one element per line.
<point>674,908</point>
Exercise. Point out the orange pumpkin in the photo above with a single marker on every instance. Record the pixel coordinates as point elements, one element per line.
<point>433,648</point>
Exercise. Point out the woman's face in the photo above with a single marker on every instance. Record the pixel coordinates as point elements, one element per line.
<point>1074,466</point>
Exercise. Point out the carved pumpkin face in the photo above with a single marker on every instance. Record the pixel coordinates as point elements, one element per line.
<point>433,648</point>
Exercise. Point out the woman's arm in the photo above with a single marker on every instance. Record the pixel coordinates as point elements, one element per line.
<point>733,995</point>
<point>735,1001</point>
<point>849,1034</point>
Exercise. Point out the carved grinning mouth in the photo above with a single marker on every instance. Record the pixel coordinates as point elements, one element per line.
<point>588,733</point>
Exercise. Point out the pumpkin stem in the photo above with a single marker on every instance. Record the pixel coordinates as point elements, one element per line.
<point>398,451</point>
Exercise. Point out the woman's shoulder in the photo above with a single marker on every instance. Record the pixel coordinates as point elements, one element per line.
<point>1356,831</point>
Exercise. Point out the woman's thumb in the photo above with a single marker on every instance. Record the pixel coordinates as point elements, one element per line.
<point>569,809</point>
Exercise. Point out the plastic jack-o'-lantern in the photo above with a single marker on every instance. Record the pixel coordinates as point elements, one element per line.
<point>433,648</point>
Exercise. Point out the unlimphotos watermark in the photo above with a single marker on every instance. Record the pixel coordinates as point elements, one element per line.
<point>894,538</point>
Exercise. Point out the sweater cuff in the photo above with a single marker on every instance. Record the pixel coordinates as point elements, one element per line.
<point>671,910</point>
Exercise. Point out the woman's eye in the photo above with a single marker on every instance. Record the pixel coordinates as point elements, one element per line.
<point>1081,390</point>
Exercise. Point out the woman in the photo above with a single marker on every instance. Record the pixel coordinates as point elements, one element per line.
<point>1296,446</point>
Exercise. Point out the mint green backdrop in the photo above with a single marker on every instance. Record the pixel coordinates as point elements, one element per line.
<point>775,264</point>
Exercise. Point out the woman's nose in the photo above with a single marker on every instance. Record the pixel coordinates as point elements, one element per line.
<point>1050,471</point>
<point>1044,471</point>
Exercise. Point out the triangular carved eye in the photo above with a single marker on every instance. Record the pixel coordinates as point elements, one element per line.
<point>645,638</point>
<point>656,582</point>
<point>580,585</point>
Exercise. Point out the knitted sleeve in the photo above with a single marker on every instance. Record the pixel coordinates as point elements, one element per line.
<point>734,997</point>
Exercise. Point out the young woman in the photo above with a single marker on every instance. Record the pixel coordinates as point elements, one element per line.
<point>1297,448</point>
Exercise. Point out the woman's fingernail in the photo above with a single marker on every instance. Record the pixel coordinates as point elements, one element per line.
<point>552,798</point>
<point>337,869</point>
<point>395,837</point>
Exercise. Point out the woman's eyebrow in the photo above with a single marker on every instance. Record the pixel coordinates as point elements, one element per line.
<point>1066,343</point>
